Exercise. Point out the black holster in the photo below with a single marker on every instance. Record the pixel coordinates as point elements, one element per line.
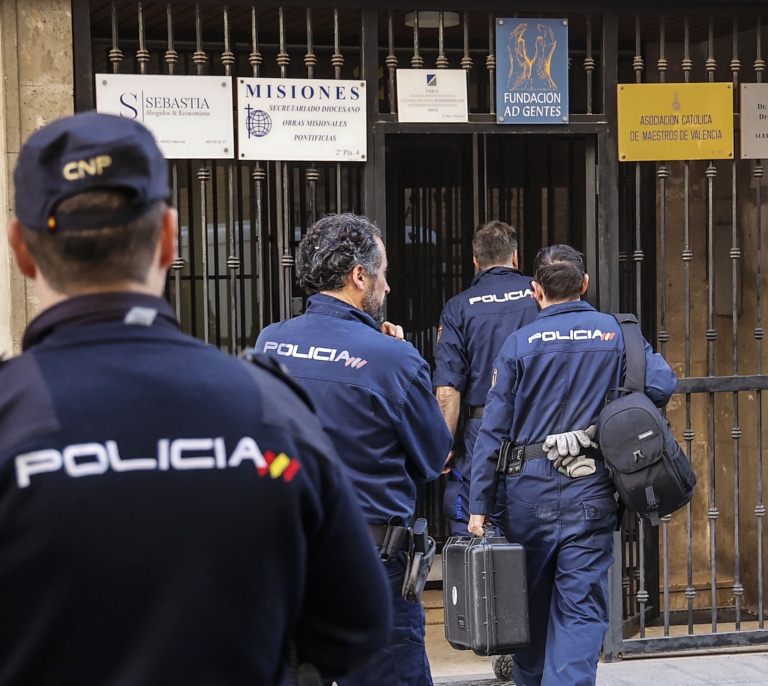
<point>391,538</point>
<point>511,459</point>
<point>419,560</point>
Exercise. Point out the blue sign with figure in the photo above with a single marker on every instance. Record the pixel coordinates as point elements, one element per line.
<point>532,71</point>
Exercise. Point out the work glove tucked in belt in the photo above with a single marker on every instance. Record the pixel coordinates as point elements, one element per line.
<point>566,451</point>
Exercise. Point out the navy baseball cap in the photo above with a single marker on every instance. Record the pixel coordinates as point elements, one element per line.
<point>87,152</point>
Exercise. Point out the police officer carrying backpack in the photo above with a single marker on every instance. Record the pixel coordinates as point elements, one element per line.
<point>169,514</point>
<point>374,397</point>
<point>549,385</point>
<point>473,326</point>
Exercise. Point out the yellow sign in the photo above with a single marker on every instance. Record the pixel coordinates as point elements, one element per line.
<point>675,121</point>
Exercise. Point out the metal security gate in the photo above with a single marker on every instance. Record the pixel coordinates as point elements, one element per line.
<point>677,242</point>
<point>703,271</point>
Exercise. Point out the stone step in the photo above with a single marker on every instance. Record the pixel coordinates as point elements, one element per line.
<point>433,607</point>
<point>433,599</point>
<point>702,584</point>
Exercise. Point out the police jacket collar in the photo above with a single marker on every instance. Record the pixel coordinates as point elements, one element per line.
<point>570,306</point>
<point>500,271</point>
<point>85,310</point>
<point>319,303</point>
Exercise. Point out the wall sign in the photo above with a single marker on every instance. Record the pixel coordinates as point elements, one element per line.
<point>432,95</point>
<point>532,71</point>
<point>754,121</point>
<point>190,116</point>
<point>301,119</point>
<point>675,121</point>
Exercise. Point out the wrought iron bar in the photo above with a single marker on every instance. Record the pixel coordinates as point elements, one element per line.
<point>171,57</point>
<point>466,60</point>
<point>142,54</point>
<point>688,434</point>
<point>310,59</point>
<point>757,173</point>
<point>255,58</point>
<point>642,593</point>
<point>665,557</point>
<point>662,64</point>
<point>200,59</point>
<point>663,173</point>
<point>735,254</point>
<point>490,64</point>
<point>312,174</point>
<point>442,61</point>
<point>417,61</point>
<point>233,259</point>
<point>178,263</point>
<point>589,63</point>
<point>391,63</point>
<point>115,54</point>
<point>710,173</point>
<point>258,176</point>
<point>204,176</point>
<point>337,60</point>
<point>286,259</point>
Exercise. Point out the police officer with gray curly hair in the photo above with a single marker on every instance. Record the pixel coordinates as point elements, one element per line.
<point>374,397</point>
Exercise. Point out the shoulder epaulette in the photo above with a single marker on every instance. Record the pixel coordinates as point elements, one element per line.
<point>279,370</point>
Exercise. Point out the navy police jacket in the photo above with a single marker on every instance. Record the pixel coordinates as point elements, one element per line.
<point>552,376</point>
<point>374,398</point>
<point>170,514</point>
<point>473,326</point>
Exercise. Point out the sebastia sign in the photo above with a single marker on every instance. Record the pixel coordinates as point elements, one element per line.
<point>190,116</point>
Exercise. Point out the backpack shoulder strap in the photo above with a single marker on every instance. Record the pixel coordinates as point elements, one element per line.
<point>634,379</point>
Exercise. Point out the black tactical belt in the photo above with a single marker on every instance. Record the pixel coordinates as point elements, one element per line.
<point>395,537</point>
<point>476,411</point>
<point>512,458</point>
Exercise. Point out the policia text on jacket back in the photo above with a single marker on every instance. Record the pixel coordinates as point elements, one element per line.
<point>168,514</point>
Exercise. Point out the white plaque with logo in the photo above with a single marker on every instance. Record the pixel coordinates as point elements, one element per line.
<point>190,116</point>
<point>301,120</point>
<point>754,121</point>
<point>432,95</point>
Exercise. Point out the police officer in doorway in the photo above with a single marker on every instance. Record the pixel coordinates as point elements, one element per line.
<point>168,514</point>
<point>549,384</point>
<point>473,326</point>
<point>374,397</point>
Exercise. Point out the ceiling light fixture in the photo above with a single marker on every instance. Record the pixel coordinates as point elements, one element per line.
<point>431,20</point>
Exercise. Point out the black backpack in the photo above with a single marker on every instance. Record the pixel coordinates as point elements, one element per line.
<point>645,462</point>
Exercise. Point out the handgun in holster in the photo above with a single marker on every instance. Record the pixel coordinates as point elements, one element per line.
<point>419,561</point>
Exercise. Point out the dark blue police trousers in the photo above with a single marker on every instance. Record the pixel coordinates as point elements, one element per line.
<point>456,495</point>
<point>403,661</point>
<point>566,527</point>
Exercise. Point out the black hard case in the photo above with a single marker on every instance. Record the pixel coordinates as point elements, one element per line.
<point>485,595</point>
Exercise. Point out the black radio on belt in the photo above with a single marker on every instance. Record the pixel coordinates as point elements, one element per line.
<point>510,459</point>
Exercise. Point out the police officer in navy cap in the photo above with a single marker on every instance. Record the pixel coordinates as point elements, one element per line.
<point>374,398</point>
<point>550,380</point>
<point>168,514</point>
<point>473,325</point>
